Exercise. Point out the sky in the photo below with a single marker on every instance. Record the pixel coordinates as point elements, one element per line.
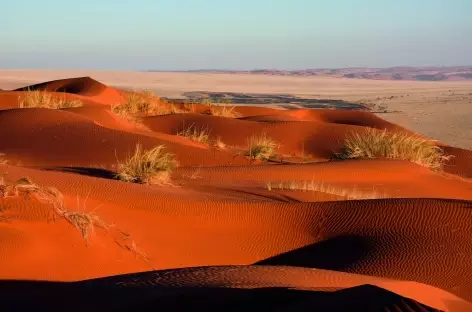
<point>238,35</point>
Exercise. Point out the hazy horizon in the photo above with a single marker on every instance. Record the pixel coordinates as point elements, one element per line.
<point>299,69</point>
<point>183,35</point>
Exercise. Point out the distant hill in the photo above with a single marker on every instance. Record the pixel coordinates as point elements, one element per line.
<point>392,73</point>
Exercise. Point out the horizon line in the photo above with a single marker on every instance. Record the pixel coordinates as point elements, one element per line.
<point>313,68</point>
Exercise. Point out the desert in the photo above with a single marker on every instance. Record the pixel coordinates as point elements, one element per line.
<point>217,191</point>
<point>440,110</point>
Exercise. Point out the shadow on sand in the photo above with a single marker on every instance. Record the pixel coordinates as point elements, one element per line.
<point>91,172</point>
<point>106,295</point>
<point>333,254</point>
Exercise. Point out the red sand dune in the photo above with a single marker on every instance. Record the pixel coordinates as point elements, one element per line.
<point>297,249</point>
<point>84,86</point>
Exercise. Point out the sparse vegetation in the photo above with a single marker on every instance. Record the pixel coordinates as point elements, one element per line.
<point>190,107</point>
<point>152,166</point>
<point>43,99</point>
<point>373,143</point>
<point>220,107</point>
<point>261,147</point>
<point>207,102</point>
<point>348,193</point>
<point>134,104</point>
<point>224,111</point>
<point>195,134</point>
<point>84,222</point>
<point>220,144</point>
<point>144,103</point>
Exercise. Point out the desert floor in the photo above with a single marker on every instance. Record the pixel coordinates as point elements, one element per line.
<point>438,110</point>
<point>298,231</point>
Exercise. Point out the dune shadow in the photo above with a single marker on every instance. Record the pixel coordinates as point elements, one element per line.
<point>94,295</point>
<point>264,196</point>
<point>91,172</point>
<point>335,254</point>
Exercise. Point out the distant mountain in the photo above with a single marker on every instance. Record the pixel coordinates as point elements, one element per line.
<point>392,73</point>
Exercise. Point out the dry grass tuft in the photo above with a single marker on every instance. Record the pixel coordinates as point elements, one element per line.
<point>190,107</point>
<point>135,103</point>
<point>195,134</point>
<point>84,222</point>
<point>261,147</point>
<point>350,194</point>
<point>207,102</point>
<point>144,103</point>
<point>43,99</point>
<point>148,166</point>
<point>224,111</point>
<point>372,143</point>
<point>220,144</point>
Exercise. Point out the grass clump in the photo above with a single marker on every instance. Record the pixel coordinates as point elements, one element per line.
<point>261,147</point>
<point>224,111</point>
<point>195,134</point>
<point>142,104</point>
<point>222,108</point>
<point>134,104</point>
<point>43,99</point>
<point>372,143</point>
<point>152,166</point>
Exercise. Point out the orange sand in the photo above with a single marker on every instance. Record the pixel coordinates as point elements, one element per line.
<point>414,245</point>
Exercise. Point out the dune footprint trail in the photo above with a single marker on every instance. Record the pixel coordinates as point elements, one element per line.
<point>281,224</point>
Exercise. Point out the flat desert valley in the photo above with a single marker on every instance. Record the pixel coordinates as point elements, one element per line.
<point>300,193</point>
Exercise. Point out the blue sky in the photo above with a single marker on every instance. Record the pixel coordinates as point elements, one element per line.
<point>224,34</point>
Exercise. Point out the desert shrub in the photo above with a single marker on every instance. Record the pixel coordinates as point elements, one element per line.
<point>373,143</point>
<point>195,134</point>
<point>261,147</point>
<point>43,99</point>
<point>152,166</point>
